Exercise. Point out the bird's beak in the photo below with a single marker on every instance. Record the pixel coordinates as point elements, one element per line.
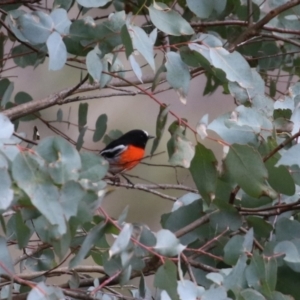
<point>151,137</point>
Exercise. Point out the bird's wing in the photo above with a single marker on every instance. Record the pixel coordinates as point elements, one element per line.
<point>113,152</point>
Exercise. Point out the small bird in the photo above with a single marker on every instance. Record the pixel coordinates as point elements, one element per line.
<point>127,151</point>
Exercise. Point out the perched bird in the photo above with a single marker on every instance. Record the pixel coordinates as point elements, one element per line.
<point>127,151</point>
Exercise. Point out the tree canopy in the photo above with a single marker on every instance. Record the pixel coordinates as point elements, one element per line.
<point>234,233</point>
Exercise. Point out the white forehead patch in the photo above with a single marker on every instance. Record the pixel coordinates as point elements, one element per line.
<point>147,134</point>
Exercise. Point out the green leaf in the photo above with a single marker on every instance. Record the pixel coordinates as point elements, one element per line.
<point>261,274</point>
<point>94,64</point>
<point>261,227</point>
<point>204,172</point>
<point>156,78</point>
<point>290,157</point>
<point>7,94</point>
<point>290,251</point>
<point>181,151</point>
<point>57,51</point>
<point>187,289</point>
<point>288,282</point>
<point>42,292</point>
<point>185,200</point>
<point>29,172</point>
<point>122,241</point>
<point>126,39</point>
<point>243,95</point>
<point>245,165</point>
<point>80,141</point>
<point>167,244</point>
<point>65,4</point>
<point>178,75</point>
<point>250,294</point>
<point>63,160</point>
<point>111,136</point>
<point>82,115</point>
<point>227,217</point>
<point>160,126</point>
<point>6,127</point>
<point>168,20</point>
<point>94,167</point>
<point>237,246</point>
<point>280,178</point>
<point>88,243</point>
<point>216,293</point>
<point>143,44</point>
<point>6,194</point>
<point>6,265</point>
<point>36,27</point>
<point>23,233</point>
<point>166,279</point>
<point>41,261</point>
<point>59,115</point>
<point>4,84</point>
<point>22,97</point>
<point>136,68</point>
<point>215,278</point>
<point>250,117</point>
<point>61,21</point>
<point>24,57</point>
<point>101,126</point>
<point>83,30</point>
<point>71,195</point>
<point>233,133</point>
<point>287,229</point>
<point>93,3</point>
<point>202,9</point>
<point>234,65</point>
<point>183,216</point>
<point>236,280</point>
<point>264,105</point>
<point>12,20</point>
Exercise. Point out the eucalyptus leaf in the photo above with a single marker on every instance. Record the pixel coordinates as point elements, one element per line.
<point>178,74</point>
<point>57,51</point>
<point>246,166</point>
<point>167,244</point>
<point>63,160</point>
<point>92,3</point>
<point>168,20</point>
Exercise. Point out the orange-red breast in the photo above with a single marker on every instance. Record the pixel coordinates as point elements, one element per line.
<point>127,151</point>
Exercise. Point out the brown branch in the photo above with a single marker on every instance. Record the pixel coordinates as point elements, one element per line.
<point>24,139</point>
<point>60,98</point>
<point>254,29</point>
<point>273,152</point>
<point>9,2</point>
<point>194,225</point>
<point>242,24</point>
<point>282,145</point>
<point>159,186</point>
<point>142,188</point>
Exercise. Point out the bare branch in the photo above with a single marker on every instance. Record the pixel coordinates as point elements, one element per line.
<point>8,2</point>
<point>254,29</point>
<point>60,98</point>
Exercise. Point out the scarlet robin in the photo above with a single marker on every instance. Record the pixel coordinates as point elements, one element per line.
<point>127,151</point>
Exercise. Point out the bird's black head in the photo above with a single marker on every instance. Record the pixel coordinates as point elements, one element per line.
<point>136,137</point>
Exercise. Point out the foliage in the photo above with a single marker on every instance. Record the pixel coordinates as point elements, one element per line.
<point>237,235</point>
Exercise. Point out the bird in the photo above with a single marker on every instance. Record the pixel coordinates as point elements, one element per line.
<point>126,152</point>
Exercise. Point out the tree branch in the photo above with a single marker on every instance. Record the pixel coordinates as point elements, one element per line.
<point>8,2</point>
<point>253,30</point>
<point>60,98</point>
